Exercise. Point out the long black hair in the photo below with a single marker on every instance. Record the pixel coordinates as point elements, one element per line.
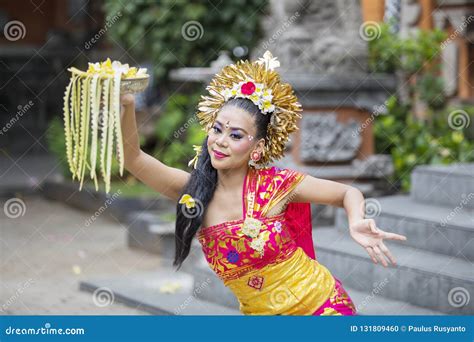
<point>202,185</point>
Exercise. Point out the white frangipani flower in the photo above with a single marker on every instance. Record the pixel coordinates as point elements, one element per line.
<point>270,62</point>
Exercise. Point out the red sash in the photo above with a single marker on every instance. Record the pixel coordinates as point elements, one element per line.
<point>298,216</point>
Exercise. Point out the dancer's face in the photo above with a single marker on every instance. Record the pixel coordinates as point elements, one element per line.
<point>233,134</point>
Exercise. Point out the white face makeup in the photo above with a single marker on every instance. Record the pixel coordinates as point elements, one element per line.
<point>231,138</point>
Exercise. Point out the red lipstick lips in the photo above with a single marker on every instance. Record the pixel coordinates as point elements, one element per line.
<point>219,155</point>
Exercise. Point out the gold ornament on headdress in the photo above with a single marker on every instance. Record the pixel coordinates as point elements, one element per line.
<point>259,82</point>
<point>194,161</point>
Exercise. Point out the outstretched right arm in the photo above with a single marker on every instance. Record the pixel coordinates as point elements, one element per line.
<point>166,180</point>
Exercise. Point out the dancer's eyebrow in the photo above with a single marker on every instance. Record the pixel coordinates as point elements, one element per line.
<point>234,127</point>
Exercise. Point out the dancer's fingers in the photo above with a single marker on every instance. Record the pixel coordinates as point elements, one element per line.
<point>387,252</point>
<point>380,255</point>
<point>393,236</point>
<point>371,253</point>
<point>373,227</point>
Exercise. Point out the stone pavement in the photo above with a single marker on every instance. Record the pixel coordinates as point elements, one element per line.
<point>48,250</point>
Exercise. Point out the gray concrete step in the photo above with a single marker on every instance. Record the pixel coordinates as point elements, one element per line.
<point>151,231</point>
<point>27,173</point>
<point>371,303</point>
<point>432,228</point>
<point>448,185</point>
<point>421,278</point>
<point>153,292</point>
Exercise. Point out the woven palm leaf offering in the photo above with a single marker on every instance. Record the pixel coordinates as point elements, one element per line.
<point>92,117</point>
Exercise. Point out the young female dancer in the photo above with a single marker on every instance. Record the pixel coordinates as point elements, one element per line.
<point>253,220</point>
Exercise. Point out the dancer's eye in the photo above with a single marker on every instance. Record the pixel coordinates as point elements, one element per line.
<point>233,135</point>
<point>236,136</point>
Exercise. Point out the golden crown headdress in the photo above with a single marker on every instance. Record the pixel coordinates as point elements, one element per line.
<point>259,82</point>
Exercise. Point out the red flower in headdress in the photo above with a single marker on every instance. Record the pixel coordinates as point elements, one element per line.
<point>248,88</point>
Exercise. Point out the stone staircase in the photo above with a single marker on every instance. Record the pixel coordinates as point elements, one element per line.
<point>436,264</point>
<point>434,273</point>
<point>156,292</point>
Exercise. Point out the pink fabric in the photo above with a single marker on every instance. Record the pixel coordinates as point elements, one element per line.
<point>224,245</point>
<point>298,216</point>
<point>339,303</point>
<point>229,253</point>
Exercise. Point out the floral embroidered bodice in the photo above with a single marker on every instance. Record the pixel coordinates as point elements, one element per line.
<point>268,262</point>
<point>235,247</point>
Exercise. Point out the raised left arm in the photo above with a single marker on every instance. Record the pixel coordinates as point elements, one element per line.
<point>363,231</point>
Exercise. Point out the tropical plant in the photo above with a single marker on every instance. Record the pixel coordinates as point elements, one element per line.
<point>412,140</point>
<point>180,33</point>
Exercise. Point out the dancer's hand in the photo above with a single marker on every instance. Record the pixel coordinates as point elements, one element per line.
<point>127,100</point>
<point>366,233</point>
